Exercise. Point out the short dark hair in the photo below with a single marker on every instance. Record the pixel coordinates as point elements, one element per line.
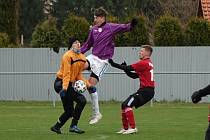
<point>148,48</point>
<point>71,41</point>
<point>100,12</point>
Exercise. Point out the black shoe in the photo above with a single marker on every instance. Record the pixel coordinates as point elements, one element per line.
<point>56,130</point>
<point>76,129</point>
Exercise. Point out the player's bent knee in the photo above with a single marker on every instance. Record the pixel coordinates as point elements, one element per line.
<point>127,102</point>
<point>69,114</point>
<point>92,89</point>
<point>82,101</point>
<point>123,105</point>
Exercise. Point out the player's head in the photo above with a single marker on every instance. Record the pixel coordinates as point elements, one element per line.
<point>145,51</point>
<point>74,44</point>
<point>100,16</point>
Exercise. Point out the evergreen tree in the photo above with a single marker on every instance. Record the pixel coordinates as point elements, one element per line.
<point>197,32</point>
<point>61,10</point>
<point>46,34</point>
<point>8,20</point>
<point>74,26</point>
<point>31,13</point>
<point>168,31</point>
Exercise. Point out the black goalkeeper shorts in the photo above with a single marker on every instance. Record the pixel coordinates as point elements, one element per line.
<point>141,97</point>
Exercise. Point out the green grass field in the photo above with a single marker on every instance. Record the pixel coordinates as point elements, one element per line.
<point>163,121</point>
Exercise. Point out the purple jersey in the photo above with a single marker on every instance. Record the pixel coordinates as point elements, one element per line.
<point>101,39</point>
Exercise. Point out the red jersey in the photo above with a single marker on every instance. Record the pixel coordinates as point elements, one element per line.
<point>144,69</point>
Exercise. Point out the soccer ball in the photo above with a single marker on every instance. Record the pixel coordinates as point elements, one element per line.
<point>80,86</point>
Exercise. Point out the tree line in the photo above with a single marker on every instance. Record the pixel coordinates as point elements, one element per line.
<point>24,17</point>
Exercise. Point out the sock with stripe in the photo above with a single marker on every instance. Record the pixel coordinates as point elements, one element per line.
<point>130,117</point>
<point>124,120</point>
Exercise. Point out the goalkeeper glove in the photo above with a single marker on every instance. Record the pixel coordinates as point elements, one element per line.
<point>196,97</point>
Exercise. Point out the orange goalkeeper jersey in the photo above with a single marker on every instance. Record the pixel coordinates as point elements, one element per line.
<point>71,68</point>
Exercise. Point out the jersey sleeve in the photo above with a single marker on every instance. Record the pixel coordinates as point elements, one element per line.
<point>89,42</point>
<point>66,72</point>
<point>120,28</point>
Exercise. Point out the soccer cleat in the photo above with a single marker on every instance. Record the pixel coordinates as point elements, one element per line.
<point>130,131</point>
<point>121,131</point>
<point>56,130</point>
<point>76,129</point>
<point>95,118</point>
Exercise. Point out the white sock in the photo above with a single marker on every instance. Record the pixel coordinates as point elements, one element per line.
<point>95,106</point>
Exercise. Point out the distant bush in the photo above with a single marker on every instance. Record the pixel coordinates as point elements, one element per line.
<point>74,26</point>
<point>14,46</point>
<point>46,35</point>
<point>197,32</point>
<point>137,36</point>
<point>4,40</point>
<point>168,31</point>
<point>8,20</point>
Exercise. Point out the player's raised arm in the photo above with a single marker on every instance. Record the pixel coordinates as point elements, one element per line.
<point>120,28</point>
<point>88,44</point>
<point>197,95</point>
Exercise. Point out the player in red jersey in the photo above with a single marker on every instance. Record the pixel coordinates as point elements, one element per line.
<point>143,70</point>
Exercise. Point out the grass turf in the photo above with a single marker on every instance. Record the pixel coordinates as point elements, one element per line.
<point>163,121</point>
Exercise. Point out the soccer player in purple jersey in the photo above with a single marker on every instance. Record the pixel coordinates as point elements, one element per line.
<point>143,70</point>
<point>101,39</point>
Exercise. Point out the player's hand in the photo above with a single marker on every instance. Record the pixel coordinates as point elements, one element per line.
<point>111,61</point>
<point>134,22</point>
<point>195,97</point>
<point>62,93</point>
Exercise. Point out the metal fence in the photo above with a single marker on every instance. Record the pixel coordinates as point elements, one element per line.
<point>29,73</point>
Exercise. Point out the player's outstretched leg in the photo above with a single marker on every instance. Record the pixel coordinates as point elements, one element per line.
<point>95,106</point>
<point>131,121</point>
<point>125,124</point>
<point>56,128</point>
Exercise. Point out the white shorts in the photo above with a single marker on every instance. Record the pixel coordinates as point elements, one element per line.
<point>97,65</point>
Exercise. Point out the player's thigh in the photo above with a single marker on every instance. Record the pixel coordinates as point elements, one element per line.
<point>67,101</point>
<point>138,99</point>
<point>80,99</point>
<point>98,66</point>
<point>101,69</point>
<point>129,102</point>
<point>143,96</point>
